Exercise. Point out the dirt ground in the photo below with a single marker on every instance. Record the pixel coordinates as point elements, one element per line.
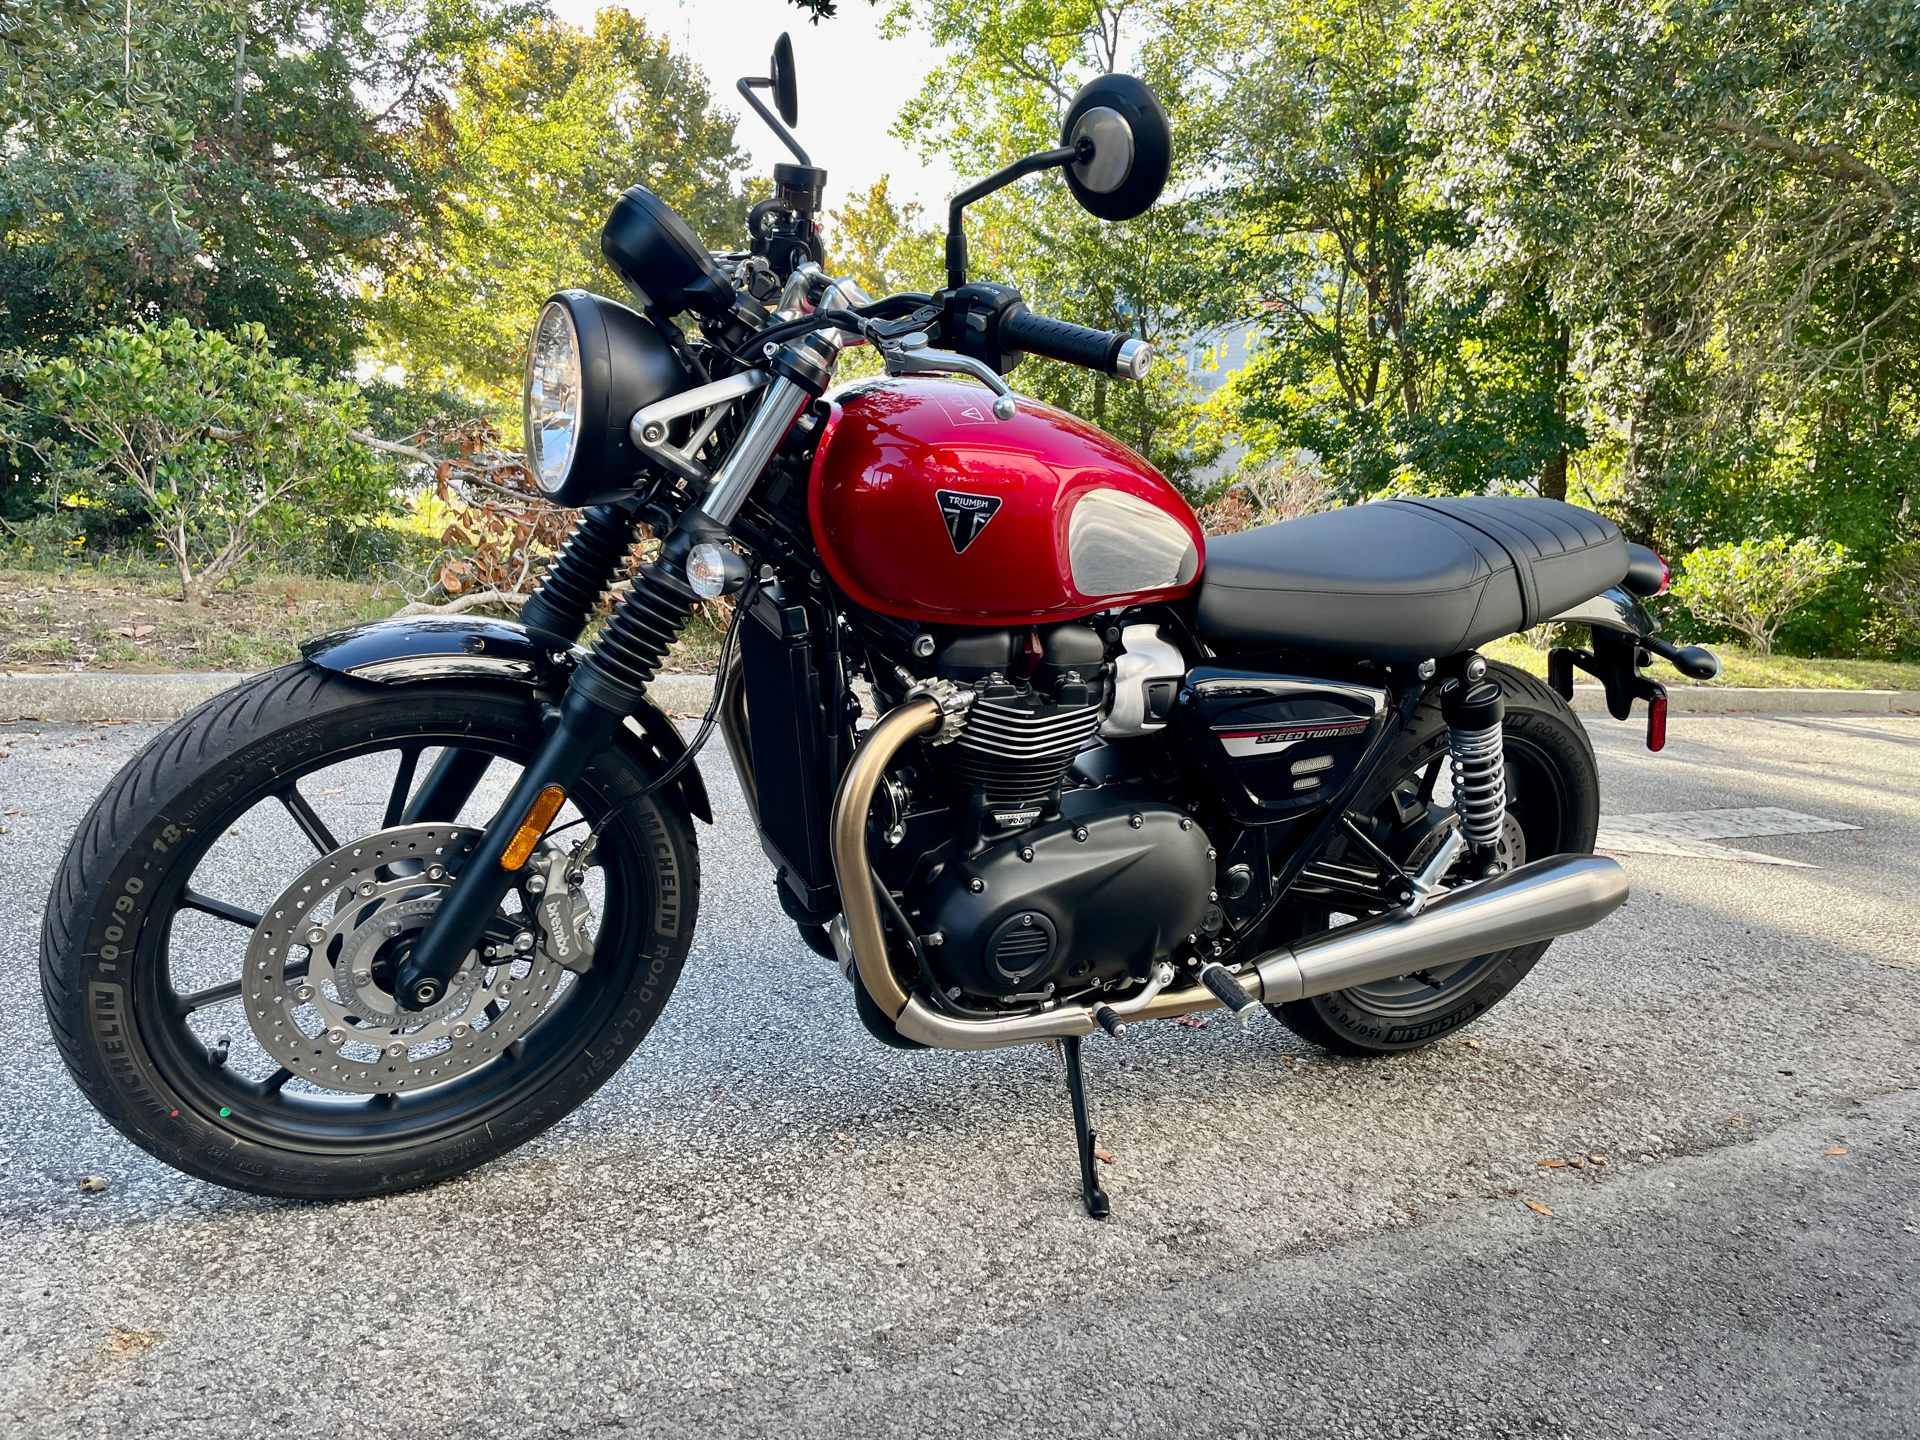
<point>86,619</point>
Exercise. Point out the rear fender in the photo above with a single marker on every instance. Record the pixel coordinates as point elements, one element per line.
<point>428,648</point>
<point>1624,634</point>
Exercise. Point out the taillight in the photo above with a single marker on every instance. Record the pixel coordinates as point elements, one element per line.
<point>1657,723</point>
<point>1666,579</point>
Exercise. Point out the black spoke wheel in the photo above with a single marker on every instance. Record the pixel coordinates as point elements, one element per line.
<point>151,950</point>
<point>1553,808</point>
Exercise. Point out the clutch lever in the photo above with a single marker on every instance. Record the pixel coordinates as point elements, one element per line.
<point>911,355</point>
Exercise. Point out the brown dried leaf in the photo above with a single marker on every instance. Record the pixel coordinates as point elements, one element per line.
<point>1538,1208</point>
<point>1103,1155</point>
<point>1838,1150</point>
<point>1191,1022</point>
<point>1552,1164</point>
<point>1469,1044</point>
<point>129,1342</point>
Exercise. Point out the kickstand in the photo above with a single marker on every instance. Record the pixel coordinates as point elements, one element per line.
<point>1095,1197</point>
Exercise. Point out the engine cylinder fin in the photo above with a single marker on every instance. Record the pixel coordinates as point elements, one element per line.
<point>1015,753</point>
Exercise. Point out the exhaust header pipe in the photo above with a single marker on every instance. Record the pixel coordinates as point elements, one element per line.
<point>1548,898</point>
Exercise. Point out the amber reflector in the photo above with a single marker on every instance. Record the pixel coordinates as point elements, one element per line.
<point>546,805</point>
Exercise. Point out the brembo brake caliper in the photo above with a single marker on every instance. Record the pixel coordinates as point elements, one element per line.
<point>560,910</point>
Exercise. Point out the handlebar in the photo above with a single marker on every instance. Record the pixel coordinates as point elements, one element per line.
<point>1114,351</point>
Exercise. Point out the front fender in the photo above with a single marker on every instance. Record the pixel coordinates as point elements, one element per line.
<point>426,648</point>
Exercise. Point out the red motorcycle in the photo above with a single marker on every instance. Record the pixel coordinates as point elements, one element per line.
<point>1032,760</point>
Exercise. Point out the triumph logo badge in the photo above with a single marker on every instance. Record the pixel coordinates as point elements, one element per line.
<point>966,515</point>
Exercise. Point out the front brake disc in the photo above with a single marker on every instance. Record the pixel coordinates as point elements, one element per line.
<point>350,917</point>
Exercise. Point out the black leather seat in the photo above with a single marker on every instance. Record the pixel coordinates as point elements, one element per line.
<point>1407,579</point>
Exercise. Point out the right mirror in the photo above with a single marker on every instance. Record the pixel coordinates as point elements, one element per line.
<point>1132,147</point>
<point>786,86</point>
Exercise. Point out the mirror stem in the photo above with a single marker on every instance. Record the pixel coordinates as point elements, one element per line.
<point>956,233</point>
<point>746,87</point>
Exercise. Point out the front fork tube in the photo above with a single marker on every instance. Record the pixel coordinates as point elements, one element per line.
<point>448,787</point>
<point>612,681</point>
<point>556,614</point>
<point>458,926</point>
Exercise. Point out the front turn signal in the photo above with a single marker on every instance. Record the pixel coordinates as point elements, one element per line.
<point>540,815</point>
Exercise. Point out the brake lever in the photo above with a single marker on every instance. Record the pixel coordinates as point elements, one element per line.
<point>911,355</point>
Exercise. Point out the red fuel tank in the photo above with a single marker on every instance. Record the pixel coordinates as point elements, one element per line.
<point>927,507</point>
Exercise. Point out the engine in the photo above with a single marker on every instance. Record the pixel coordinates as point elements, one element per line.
<point>1029,872</point>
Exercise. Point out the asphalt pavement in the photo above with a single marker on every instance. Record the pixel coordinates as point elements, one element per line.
<point>768,1224</point>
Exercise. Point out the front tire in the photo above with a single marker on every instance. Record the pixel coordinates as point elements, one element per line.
<point>166,879</point>
<point>1553,808</point>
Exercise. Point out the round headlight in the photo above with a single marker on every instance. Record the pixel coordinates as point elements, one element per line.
<point>553,398</point>
<point>592,363</point>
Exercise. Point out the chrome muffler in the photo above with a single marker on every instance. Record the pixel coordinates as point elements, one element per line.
<point>1548,898</point>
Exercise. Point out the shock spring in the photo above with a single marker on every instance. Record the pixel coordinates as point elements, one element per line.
<point>1476,742</point>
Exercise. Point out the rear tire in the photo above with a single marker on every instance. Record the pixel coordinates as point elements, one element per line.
<point>1554,795</point>
<point>115,952</point>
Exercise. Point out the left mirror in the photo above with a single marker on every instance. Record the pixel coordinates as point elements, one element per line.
<point>786,89</point>
<point>1126,144</point>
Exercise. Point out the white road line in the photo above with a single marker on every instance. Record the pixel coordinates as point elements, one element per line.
<point>1691,833</point>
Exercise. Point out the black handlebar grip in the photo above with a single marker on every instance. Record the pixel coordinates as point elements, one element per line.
<point>1113,351</point>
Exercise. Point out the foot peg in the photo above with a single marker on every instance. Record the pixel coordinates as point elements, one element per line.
<point>1109,1020</point>
<point>1228,990</point>
<point>1098,1206</point>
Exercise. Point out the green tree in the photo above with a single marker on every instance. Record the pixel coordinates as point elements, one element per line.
<point>1015,66</point>
<point>541,130</point>
<point>227,445</point>
<point>884,246</point>
<point>1332,230</point>
<point>223,162</point>
<point>1722,196</point>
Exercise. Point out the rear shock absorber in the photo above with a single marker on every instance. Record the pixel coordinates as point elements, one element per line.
<point>1475,711</point>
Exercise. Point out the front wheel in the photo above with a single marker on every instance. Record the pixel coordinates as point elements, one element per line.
<point>1553,808</point>
<point>219,948</point>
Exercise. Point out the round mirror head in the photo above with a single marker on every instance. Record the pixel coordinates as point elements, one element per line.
<point>1129,143</point>
<point>786,88</point>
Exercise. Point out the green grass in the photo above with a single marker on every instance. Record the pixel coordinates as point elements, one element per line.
<point>1738,668</point>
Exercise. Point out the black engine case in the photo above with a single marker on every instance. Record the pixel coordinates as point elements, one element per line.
<point>1106,906</point>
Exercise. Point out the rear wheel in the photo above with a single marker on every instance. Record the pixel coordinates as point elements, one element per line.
<point>1553,808</point>
<point>218,952</point>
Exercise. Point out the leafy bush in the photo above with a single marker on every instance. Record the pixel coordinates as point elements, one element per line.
<point>1896,627</point>
<point>1756,586</point>
<point>229,449</point>
<point>1284,488</point>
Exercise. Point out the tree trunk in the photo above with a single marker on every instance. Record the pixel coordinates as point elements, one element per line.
<point>1553,476</point>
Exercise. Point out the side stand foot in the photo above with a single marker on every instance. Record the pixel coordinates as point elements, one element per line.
<point>1097,1204</point>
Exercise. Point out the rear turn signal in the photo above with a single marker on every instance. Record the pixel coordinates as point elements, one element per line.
<point>547,804</point>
